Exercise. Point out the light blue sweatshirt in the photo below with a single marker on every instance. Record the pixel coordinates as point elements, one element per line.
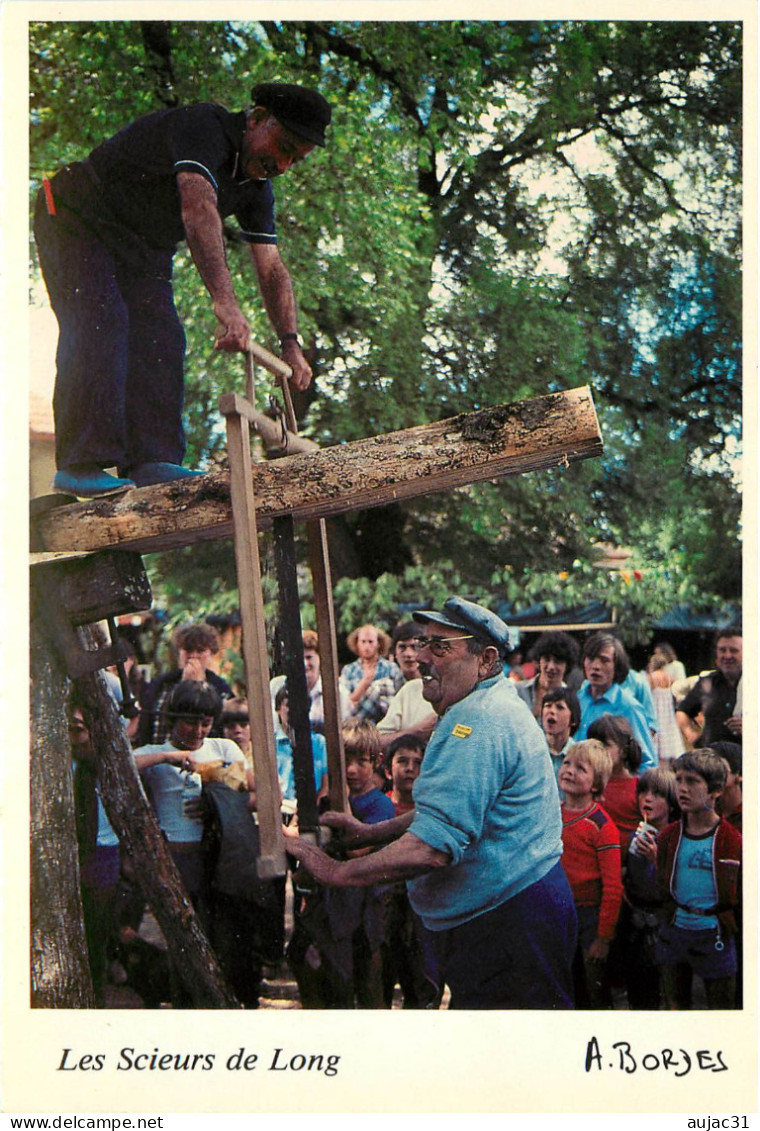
<point>617,701</point>
<point>487,796</point>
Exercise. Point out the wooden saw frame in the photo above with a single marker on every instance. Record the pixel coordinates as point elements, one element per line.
<point>304,484</point>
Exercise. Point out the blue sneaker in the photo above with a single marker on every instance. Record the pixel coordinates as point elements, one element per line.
<point>88,481</point>
<point>148,474</point>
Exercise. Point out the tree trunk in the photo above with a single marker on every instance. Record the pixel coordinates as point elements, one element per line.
<point>60,970</point>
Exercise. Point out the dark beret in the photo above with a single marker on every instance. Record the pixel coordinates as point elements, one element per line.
<point>299,109</point>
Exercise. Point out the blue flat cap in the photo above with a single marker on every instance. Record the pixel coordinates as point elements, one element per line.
<point>471,618</point>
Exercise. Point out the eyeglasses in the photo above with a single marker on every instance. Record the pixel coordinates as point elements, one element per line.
<point>438,645</point>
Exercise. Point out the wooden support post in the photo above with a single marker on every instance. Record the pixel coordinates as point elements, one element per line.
<point>319,561</point>
<point>272,861</point>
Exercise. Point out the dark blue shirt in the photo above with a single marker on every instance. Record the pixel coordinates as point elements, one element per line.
<point>372,807</point>
<point>137,170</point>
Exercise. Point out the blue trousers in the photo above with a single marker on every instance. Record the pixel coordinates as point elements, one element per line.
<point>119,366</point>
<point>518,956</point>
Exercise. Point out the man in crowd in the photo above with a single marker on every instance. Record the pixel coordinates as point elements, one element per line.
<point>481,849</point>
<point>107,229</point>
<point>404,649</point>
<point>716,696</point>
<point>605,665</point>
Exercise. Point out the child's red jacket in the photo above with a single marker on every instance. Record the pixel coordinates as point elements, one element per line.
<point>726,863</point>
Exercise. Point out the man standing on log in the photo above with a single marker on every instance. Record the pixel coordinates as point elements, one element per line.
<point>107,229</point>
<point>481,850</point>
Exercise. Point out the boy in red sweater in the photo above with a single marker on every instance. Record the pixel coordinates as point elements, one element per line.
<point>591,859</point>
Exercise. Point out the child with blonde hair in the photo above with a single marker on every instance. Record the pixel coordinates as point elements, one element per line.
<point>591,860</point>
<point>362,749</point>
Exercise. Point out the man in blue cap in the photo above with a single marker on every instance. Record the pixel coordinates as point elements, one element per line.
<point>107,229</point>
<point>481,850</point>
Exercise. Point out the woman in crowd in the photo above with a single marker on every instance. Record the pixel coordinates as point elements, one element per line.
<point>668,740</point>
<point>173,772</point>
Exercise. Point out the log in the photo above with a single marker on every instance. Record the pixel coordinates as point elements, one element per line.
<point>510,439</point>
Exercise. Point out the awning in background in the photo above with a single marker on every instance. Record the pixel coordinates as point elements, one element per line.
<point>596,615</point>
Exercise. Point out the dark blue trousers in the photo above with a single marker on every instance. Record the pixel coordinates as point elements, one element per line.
<point>518,956</point>
<point>119,383</point>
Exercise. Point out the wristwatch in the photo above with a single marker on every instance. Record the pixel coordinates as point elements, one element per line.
<point>288,338</point>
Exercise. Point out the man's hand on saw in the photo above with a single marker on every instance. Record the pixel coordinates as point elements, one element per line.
<point>235,333</point>
<point>292,354</point>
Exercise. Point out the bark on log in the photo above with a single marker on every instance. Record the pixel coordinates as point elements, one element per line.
<point>141,840</point>
<point>60,972</point>
<point>508,440</point>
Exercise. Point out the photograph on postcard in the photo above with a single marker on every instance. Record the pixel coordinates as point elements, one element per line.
<point>387,521</point>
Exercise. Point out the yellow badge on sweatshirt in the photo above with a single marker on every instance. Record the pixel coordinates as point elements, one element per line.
<point>461,731</point>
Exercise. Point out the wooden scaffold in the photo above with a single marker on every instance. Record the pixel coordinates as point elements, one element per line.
<point>86,566</point>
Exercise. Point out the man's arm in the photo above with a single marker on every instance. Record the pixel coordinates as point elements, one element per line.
<point>402,860</point>
<point>205,238</point>
<point>688,727</point>
<point>359,834</point>
<point>164,757</point>
<point>280,302</point>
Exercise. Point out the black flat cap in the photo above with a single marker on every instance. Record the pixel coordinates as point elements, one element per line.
<point>299,109</point>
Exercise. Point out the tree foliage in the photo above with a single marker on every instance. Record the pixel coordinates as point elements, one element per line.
<point>504,209</point>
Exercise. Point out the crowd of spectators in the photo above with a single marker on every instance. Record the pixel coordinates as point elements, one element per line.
<point>648,771</point>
